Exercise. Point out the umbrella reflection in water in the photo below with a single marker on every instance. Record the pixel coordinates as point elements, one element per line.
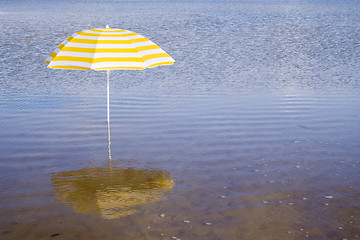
<point>110,192</point>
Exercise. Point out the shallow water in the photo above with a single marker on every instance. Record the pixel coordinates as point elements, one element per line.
<point>253,132</point>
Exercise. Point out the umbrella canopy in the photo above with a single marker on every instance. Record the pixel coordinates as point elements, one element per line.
<point>107,49</point>
<point>110,192</point>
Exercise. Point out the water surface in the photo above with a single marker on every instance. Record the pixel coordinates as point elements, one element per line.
<point>252,134</point>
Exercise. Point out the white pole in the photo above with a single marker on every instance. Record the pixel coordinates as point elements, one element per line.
<point>108,115</point>
<point>108,97</point>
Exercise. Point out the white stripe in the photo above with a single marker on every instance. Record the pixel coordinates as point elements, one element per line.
<point>136,37</point>
<point>152,51</point>
<point>117,55</point>
<point>69,63</point>
<point>76,54</point>
<point>142,44</point>
<point>117,64</point>
<point>48,59</point>
<point>86,45</point>
<point>158,60</point>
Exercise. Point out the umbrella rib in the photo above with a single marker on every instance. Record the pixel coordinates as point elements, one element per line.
<point>93,54</point>
<point>137,51</point>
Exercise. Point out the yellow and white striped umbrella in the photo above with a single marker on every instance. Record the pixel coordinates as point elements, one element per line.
<point>107,49</point>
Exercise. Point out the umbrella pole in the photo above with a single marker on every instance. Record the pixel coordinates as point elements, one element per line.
<point>108,116</point>
<point>108,107</point>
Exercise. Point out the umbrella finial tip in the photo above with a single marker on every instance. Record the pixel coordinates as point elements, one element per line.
<point>107,26</point>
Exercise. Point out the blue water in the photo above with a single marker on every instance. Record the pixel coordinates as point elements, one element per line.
<point>257,122</point>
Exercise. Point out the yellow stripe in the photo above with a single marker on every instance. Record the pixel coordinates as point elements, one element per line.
<point>137,40</point>
<point>109,50</point>
<point>70,67</point>
<point>53,54</point>
<point>109,68</point>
<point>106,35</point>
<point>69,38</point>
<point>60,46</point>
<point>91,41</point>
<point>73,59</point>
<point>100,50</point>
<point>150,47</point>
<point>158,64</point>
<point>157,55</point>
<point>97,30</point>
<point>96,60</point>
